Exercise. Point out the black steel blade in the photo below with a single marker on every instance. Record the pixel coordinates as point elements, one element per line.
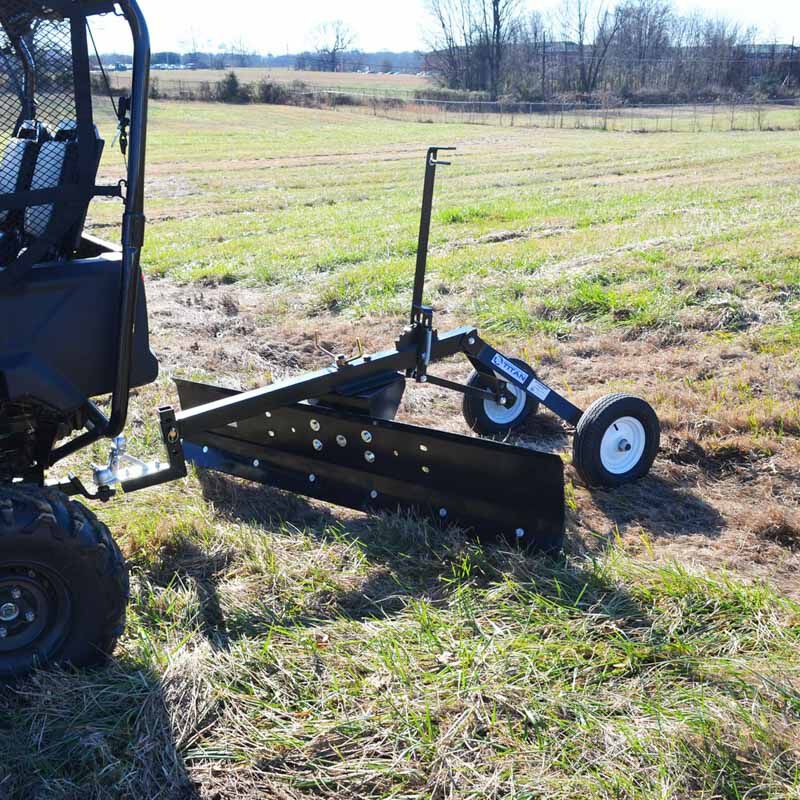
<point>490,488</point>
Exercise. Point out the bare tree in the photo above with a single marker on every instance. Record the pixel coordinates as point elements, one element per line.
<point>642,50</point>
<point>331,40</point>
<point>191,42</point>
<point>242,56</point>
<point>470,41</point>
<point>628,48</point>
<point>592,27</point>
<point>452,42</point>
<point>503,16</point>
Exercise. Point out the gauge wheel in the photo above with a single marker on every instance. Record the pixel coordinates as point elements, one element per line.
<point>616,441</point>
<point>490,418</point>
<point>63,583</point>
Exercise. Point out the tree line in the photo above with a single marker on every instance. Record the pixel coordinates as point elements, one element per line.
<point>636,49</point>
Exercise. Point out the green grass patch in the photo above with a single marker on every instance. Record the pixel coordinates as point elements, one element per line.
<point>781,338</point>
<point>589,678</point>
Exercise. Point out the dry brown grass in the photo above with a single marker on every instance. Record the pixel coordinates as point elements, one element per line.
<point>730,419</point>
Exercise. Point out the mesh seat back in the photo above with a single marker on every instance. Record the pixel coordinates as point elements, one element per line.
<point>18,163</point>
<point>57,165</point>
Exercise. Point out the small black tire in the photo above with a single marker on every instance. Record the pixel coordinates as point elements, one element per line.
<point>488,418</point>
<point>616,441</point>
<point>63,583</point>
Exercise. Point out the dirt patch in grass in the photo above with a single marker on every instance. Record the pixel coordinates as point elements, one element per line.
<point>717,458</point>
<point>779,526</point>
<point>729,416</point>
<point>228,333</point>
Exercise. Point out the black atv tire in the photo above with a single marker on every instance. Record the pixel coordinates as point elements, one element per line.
<point>63,583</point>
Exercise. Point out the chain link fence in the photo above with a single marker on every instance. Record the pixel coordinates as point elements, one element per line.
<point>727,115</point>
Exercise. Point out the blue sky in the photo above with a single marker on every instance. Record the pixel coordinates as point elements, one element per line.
<point>275,25</point>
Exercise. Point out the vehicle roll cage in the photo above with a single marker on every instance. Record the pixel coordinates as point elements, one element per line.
<point>133,117</point>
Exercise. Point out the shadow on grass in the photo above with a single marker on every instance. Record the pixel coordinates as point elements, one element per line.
<point>407,559</point>
<point>110,734</point>
<point>660,507</point>
<point>93,735</point>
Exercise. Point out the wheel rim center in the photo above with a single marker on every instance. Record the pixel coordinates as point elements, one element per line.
<point>623,445</point>
<point>30,609</point>
<point>501,411</point>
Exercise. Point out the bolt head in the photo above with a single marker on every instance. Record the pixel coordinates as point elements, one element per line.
<point>341,440</point>
<point>30,616</point>
<point>366,436</point>
<point>423,379</point>
<point>503,401</point>
<point>312,478</point>
<point>373,494</point>
<point>471,341</point>
<point>317,445</point>
<point>16,593</point>
<point>3,633</point>
<point>369,457</point>
<point>315,426</point>
<point>520,533</point>
<point>256,463</point>
<point>442,512</point>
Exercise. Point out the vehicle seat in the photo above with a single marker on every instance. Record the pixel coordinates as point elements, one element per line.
<point>16,173</point>
<point>57,165</point>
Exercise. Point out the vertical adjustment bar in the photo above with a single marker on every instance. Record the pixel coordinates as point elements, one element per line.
<point>431,163</point>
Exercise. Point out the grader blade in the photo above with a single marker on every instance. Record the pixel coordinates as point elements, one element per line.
<point>375,465</point>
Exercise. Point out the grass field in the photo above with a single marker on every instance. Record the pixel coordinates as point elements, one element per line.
<point>344,81</point>
<point>281,648</point>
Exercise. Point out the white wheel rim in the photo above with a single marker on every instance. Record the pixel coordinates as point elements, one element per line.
<point>506,415</point>
<point>623,445</point>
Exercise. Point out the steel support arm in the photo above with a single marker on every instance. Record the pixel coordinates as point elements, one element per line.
<point>316,384</point>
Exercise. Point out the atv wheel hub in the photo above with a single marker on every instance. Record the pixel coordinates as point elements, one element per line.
<point>31,607</point>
